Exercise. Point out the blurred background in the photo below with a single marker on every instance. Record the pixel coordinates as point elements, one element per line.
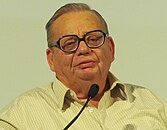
<point>139,29</point>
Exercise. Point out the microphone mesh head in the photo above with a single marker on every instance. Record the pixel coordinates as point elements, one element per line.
<point>93,91</point>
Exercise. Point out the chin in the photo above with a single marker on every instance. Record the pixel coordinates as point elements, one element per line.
<point>87,75</point>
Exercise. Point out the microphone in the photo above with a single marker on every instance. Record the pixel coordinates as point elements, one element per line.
<point>91,94</point>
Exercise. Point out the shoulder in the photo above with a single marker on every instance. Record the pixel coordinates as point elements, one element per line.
<point>146,99</point>
<point>144,93</point>
<point>28,99</point>
<point>26,105</point>
<point>147,102</point>
<point>35,94</point>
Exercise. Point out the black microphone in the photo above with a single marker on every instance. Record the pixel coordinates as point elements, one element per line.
<point>91,94</point>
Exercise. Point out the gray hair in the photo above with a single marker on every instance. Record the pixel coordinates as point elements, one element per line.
<point>71,7</point>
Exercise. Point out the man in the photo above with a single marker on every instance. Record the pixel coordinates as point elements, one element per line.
<point>80,52</point>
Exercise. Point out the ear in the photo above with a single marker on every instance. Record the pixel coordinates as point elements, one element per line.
<point>112,47</point>
<point>50,59</point>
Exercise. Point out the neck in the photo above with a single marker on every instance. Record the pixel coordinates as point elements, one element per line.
<point>81,88</point>
<point>95,101</point>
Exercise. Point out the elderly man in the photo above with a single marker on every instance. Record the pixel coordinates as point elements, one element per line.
<point>80,52</point>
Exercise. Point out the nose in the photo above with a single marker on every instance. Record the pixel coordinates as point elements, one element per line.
<point>83,49</point>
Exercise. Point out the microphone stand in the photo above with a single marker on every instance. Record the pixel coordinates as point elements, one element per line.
<point>91,94</point>
<point>88,99</point>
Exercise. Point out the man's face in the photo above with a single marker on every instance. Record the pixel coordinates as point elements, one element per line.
<point>85,64</point>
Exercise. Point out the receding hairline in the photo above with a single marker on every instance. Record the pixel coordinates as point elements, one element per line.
<point>80,14</point>
<point>72,7</point>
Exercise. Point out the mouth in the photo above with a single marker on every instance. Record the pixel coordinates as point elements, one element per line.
<point>86,64</point>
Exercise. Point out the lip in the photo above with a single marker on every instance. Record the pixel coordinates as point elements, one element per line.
<point>86,64</point>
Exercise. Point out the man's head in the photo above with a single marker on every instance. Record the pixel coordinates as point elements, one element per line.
<point>91,60</point>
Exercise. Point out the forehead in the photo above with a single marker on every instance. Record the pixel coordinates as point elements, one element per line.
<point>76,23</point>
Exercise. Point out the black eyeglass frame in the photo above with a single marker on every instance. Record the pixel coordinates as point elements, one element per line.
<point>57,43</point>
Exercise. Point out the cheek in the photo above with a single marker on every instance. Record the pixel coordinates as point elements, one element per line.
<point>106,55</point>
<point>62,62</point>
<point>105,58</point>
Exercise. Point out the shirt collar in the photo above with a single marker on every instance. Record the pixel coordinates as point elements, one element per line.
<point>116,87</point>
<point>124,91</point>
<point>60,91</point>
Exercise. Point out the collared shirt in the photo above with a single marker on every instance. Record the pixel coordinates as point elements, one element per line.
<point>52,107</point>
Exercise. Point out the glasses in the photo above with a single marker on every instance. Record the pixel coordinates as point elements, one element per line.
<point>70,43</point>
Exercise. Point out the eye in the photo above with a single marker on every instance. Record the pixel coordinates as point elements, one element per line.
<point>94,38</point>
<point>68,43</point>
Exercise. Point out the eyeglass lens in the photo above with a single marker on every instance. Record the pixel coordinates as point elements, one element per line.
<point>93,39</point>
